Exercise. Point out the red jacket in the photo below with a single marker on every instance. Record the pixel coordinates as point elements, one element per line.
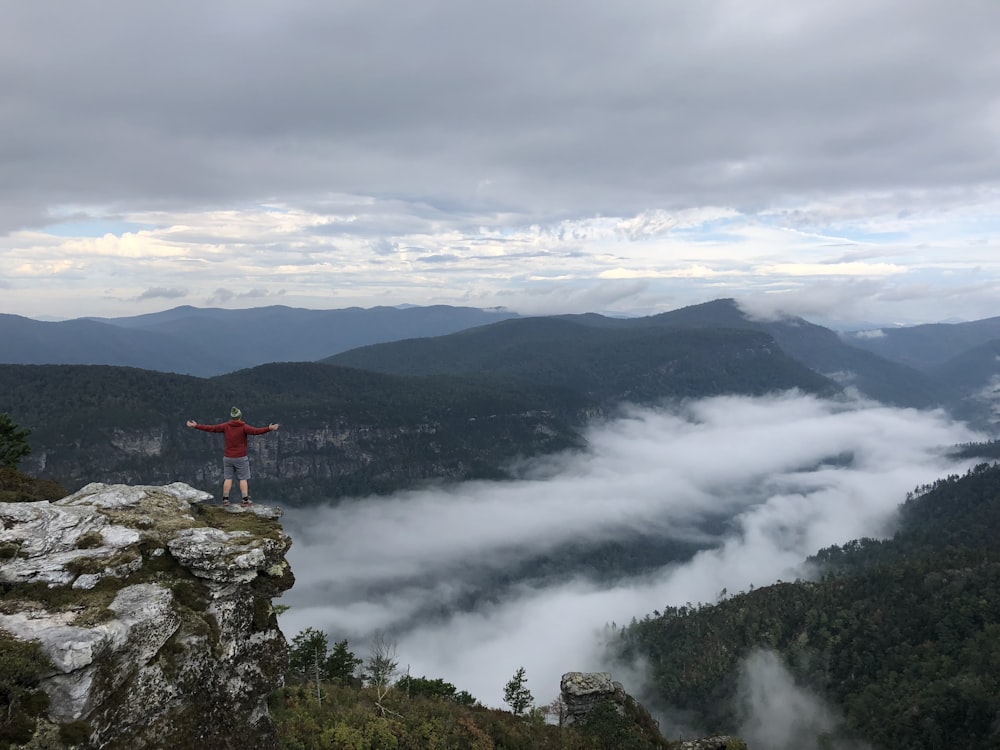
<point>236,435</point>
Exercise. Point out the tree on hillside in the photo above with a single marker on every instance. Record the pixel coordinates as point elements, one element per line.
<point>311,659</point>
<point>307,656</point>
<point>516,695</point>
<point>340,666</point>
<point>307,649</point>
<point>558,710</point>
<point>13,442</point>
<point>381,667</point>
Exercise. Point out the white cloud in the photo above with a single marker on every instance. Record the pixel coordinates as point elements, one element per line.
<point>695,137</point>
<point>781,715</point>
<point>791,473</point>
<point>163,293</point>
<point>875,333</point>
<point>989,397</point>
<point>866,270</point>
<point>691,272</point>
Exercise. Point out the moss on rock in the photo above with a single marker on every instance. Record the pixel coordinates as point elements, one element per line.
<point>198,671</point>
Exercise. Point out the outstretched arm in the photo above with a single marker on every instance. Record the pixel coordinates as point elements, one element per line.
<point>251,430</point>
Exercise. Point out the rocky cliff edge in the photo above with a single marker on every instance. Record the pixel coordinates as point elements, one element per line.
<point>154,611</point>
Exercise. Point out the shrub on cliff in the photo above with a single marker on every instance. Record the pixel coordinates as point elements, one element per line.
<point>13,442</point>
<point>21,700</point>
<point>17,487</point>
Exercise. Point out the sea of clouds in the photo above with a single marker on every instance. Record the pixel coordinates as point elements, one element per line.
<point>791,473</point>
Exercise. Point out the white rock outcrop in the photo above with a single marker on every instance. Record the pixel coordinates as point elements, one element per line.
<point>154,611</point>
<point>582,691</point>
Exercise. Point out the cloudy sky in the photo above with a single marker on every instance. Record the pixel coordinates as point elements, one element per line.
<point>776,467</point>
<point>839,160</point>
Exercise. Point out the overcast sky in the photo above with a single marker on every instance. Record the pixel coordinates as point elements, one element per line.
<point>776,467</point>
<point>840,160</point>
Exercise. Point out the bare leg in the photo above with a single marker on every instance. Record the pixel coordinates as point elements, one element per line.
<point>244,488</point>
<point>226,487</point>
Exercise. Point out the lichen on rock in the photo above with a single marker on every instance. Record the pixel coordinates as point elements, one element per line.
<point>597,703</point>
<point>583,691</point>
<point>154,611</point>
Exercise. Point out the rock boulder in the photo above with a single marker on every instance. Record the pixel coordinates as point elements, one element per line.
<point>584,691</point>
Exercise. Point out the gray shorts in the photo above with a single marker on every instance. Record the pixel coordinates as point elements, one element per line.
<point>238,466</point>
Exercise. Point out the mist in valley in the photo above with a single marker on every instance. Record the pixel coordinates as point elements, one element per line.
<point>735,492</point>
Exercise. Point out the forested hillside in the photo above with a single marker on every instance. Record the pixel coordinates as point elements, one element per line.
<point>347,431</point>
<point>634,362</point>
<point>902,635</point>
<point>343,431</point>
<point>518,346</point>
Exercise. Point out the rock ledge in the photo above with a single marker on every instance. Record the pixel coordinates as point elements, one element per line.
<point>154,611</point>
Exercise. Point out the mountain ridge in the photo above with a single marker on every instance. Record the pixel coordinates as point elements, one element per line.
<point>211,341</point>
<point>812,346</point>
<point>353,431</point>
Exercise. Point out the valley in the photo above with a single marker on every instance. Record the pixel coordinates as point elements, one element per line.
<point>532,486</point>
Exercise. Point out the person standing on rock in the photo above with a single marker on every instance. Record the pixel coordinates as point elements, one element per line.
<point>235,461</point>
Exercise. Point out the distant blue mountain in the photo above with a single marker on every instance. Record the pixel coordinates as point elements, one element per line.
<point>24,341</point>
<point>213,341</point>
<point>926,347</point>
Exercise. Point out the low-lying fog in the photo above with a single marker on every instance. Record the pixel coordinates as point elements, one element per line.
<point>758,484</point>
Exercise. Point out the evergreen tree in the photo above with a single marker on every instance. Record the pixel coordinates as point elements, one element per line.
<point>13,442</point>
<point>341,665</point>
<point>308,649</point>
<point>414,687</point>
<point>516,695</point>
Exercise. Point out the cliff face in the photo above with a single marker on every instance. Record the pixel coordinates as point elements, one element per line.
<point>325,460</point>
<point>154,611</point>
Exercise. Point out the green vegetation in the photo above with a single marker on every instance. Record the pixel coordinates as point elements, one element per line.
<point>90,606</point>
<point>453,408</point>
<point>631,730</point>
<point>310,658</point>
<point>21,699</point>
<point>639,363</point>
<point>13,443</point>
<point>344,431</point>
<point>516,693</point>
<point>436,688</point>
<point>340,710</point>
<point>989,449</point>
<point>227,520</point>
<point>16,487</point>
<point>902,635</point>
<point>348,718</point>
<point>10,549</point>
<point>90,539</point>
<point>75,733</point>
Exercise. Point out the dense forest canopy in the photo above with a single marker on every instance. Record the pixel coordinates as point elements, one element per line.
<point>901,635</point>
